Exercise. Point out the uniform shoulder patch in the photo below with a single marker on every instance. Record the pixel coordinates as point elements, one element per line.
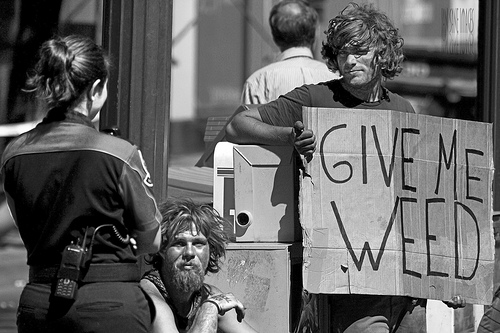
<point>147,176</point>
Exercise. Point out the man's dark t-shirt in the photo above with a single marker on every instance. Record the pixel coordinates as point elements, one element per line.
<point>287,109</point>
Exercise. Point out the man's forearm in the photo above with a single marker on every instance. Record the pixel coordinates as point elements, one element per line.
<point>206,319</point>
<point>244,129</point>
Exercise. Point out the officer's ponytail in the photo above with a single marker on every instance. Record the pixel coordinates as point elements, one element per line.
<point>66,68</point>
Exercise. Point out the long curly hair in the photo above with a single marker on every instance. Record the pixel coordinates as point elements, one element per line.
<point>359,28</point>
<point>178,215</point>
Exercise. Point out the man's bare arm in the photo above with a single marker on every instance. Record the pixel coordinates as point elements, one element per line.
<point>206,319</point>
<point>247,127</point>
<point>220,318</point>
<point>230,321</point>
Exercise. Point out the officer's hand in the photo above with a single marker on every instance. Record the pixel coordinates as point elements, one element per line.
<point>226,302</point>
<point>304,140</point>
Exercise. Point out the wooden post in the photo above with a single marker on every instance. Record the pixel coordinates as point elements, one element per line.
<point>137,35</point>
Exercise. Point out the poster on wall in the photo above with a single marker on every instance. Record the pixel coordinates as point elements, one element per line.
<point>393,203</point>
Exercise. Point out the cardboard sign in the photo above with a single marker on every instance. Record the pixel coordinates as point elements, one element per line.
<point>398,204</point>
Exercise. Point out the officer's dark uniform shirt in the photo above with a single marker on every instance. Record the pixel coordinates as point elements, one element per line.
<point>64,175</point>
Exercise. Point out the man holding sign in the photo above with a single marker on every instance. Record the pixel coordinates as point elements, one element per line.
<point>364,47</point>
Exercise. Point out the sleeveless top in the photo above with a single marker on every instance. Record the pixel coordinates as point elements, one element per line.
<point>182,323</point>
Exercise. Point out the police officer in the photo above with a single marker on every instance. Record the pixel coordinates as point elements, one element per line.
<point>82,201</point>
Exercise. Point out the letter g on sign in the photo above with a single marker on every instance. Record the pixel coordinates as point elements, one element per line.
<point>336,165</point>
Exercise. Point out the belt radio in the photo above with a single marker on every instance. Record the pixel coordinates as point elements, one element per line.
<point>69,274</point>
<point>75,258</point>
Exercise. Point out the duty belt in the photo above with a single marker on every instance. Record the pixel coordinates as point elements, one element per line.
<point>119,272</point>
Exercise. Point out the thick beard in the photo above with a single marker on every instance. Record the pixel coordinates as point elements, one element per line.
<point>187,281</point>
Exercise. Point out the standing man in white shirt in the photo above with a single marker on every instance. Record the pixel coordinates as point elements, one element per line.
<point>294,24</point>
